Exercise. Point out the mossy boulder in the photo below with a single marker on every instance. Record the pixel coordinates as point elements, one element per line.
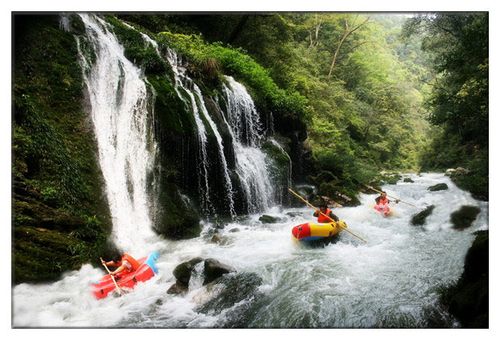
<point>390,178</point>
<point>268,219</point>
<point>464,217</point>
<point>468,299</point>
<point>438,187</point>
<point>408,180</point>
<point>419,218</point>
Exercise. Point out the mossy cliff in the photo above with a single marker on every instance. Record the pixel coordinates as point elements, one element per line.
<point>60,214</point>
<point>61,218</point>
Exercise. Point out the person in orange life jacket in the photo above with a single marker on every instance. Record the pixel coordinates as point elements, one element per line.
<point>383,200</point>
<point>324,209</point>
<point>122,263</point>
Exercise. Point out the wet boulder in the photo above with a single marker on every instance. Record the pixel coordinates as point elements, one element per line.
<point>408,180</point>
<point>177,288</point>
<point>419,219</point>
<point>467,300</point>
<point>234,289</point>
<point>183,271</point>
<point>464,217</point>
<point>438,187</point>
<point>268,219</point>
<point>215,269</point>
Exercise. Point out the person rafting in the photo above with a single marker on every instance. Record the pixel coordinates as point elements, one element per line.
<point>323,208</point>
<point>382,203</point>
<point>123,263</point>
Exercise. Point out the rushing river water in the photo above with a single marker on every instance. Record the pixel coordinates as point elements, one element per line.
<point>391,281</point>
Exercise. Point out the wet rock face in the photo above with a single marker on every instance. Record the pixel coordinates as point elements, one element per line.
<point>419,219</point>
<point>438,187</point>
<point>213,270</point>
<point>464,217</point>
<point>468,299</point>
<point>183,271</point>
<point>235,288</point>
<point>269,219</point>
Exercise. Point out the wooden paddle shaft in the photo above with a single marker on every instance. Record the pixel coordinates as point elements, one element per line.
<point>312,206</point>
<point>112,277</point>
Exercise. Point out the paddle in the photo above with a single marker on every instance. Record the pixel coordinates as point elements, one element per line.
<point>397,199</point>
<point>112,277</point>
<point>312,206</point>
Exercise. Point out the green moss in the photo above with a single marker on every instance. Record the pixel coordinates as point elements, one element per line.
<point>137,50</point>
<point>57,180</point>
<point>266,93</point>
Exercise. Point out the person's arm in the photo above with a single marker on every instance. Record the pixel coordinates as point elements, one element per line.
<point>110,263</point>
<point>124,265</point>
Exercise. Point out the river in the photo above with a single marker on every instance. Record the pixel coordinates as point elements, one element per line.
<point>391,281</point>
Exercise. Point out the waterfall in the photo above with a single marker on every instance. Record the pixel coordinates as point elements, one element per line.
<point>120,107</point>
<point>197,104</point>
<point>251,163</point>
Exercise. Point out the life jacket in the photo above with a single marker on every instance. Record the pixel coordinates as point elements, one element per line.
<point>382,201</point>
<point>135,264</point>
<point>324,219</point>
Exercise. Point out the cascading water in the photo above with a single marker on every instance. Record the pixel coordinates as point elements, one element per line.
<point>391,281</point>
<point>251,162</point>
<point>120,105</point>
<point>197,104</point>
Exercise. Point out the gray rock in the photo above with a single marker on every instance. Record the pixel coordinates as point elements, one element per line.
<point>183,271</point>
<point>177,288</point>
<point>438,187</point>
<point>215,269</point>
<point>464,217</point>
<point>269,219</point>
<point>235,288</point>
<point>408,180</point>
<point>419,219</point>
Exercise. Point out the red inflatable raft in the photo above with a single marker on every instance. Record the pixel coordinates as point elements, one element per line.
<point>146,271</point>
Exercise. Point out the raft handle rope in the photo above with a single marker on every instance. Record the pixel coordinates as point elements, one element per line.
<point>312,206</point>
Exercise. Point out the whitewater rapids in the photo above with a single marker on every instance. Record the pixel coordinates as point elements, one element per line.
<point>391,281</point>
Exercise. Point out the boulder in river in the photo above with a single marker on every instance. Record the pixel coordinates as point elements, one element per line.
<point>269,219</point>
<point>419,219</point>
<point>183,271</point>
<point>235,288</point>
<point>438,187</point>
<point>215,269</point>
<point>467,300</point>
<point>464,217</point>
<point>408,180</point>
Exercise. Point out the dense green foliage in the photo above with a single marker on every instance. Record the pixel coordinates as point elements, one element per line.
<point>60,215</point>
<point>362,116</point>
<point>458,103</point>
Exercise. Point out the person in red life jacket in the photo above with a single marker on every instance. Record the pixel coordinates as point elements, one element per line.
<point>323,208</point>
<point>383,200</point>
<point>123,263</point>
<point>383,203</point>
